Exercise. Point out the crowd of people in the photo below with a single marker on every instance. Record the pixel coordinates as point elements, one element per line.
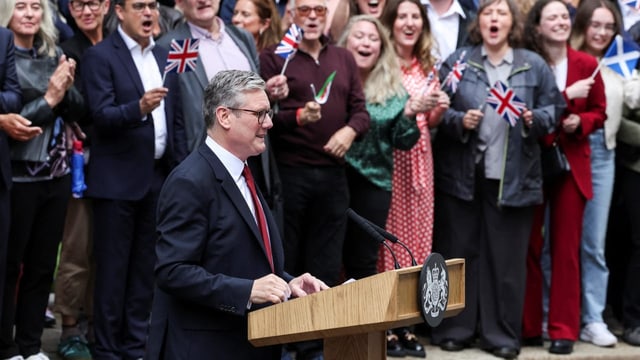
<point>217,191</point>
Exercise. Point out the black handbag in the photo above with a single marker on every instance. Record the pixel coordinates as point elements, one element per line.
<point>554,162</point>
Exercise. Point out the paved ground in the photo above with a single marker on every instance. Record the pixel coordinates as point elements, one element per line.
<point>582,351</point>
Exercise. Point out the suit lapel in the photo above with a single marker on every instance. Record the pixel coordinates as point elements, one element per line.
<point>232,191</point>
<point>124,55</point>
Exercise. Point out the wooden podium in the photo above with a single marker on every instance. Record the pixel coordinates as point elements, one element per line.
<point>353,318</point>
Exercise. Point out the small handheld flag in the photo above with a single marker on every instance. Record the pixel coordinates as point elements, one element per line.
<point>322,96</point>
<point>454,77</point>
<point>183,56</point>
<point>504,100</point>
<point>289,45</point>
<point>634,4</point>
<point>622,56</point>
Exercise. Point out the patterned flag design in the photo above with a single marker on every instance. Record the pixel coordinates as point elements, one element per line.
<point>183,56</point>
<point>504,100</point>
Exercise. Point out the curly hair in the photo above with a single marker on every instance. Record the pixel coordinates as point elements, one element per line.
<point>422,48</point>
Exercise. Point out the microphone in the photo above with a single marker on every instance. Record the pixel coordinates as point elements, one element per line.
<point>365,225</point>
<point>384,233</point>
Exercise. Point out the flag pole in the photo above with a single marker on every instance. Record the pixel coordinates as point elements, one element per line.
<point>286,62</point>
<point>595,72</point>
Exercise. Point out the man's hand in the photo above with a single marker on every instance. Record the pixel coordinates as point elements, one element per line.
<point>340,142</point>
<point>152,99</point>
<point>269,288</point>
<point>310,113</point>
<point>18,128</point>
<point>306,284</point>
<point>277,87</point>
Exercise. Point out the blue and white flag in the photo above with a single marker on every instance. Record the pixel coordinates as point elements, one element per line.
<point>622,56</point>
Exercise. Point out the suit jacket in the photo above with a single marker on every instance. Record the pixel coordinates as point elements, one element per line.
<point>193,83</point>
<point>592,112</point>
<point>122,154</point>
<point>10,100</point>
<point>209,252</point>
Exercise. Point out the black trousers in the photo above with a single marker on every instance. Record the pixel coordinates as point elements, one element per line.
<point>493,240</point>
<point>623,249</point>
<point>315,204</point>
<point>360,253</point>
<point>38,211</point>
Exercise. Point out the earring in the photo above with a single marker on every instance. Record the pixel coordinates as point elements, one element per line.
<point>260,32</point>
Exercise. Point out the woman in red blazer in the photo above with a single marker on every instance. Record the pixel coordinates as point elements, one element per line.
<point>548,27</point>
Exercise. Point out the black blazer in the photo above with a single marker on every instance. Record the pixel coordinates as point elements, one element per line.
<point>209,252</point>
<point>122,152</point>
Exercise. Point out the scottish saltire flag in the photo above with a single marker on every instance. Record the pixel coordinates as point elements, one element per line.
<point>289,43</point>
<point>322,96</point>
<point>504,100</point>
<point>634,4</point>
<point>622,56</point>
<point>183,56</point>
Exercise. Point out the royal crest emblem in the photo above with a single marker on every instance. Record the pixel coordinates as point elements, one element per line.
<point>434,289</point>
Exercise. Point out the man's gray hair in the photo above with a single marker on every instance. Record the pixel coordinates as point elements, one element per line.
<point>227,89</point>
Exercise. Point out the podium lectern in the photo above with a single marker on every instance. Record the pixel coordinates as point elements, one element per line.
<point>353,318</point>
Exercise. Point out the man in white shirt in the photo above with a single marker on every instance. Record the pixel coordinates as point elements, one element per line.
<point>138,138</point>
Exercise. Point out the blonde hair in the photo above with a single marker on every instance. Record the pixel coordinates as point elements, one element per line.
<point>47,35</point>
<point>384,80</point>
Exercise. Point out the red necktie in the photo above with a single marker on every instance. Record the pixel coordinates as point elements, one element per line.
<point>262,220</point>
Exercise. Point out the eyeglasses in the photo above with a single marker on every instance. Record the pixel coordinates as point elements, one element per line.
<point>260,115</point>
<point>306,10</point>
<point>608,28</point>
<point>79,5</point>
<point>140,6</point>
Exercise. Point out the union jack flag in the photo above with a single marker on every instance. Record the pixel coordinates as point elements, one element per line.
<point>456,75</point>
<point>183,56</point>
<point>634,4</point>
<point>289,43</point>
<point>504,100</point>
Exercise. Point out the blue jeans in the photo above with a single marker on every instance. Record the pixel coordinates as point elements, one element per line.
<point>595,274</point>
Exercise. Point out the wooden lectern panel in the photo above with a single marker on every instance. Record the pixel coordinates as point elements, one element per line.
<point>370,305</point>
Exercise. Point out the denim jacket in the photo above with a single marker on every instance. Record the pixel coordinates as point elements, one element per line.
<point>455,149</point>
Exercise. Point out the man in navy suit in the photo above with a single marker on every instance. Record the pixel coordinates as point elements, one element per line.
<point>138,137</point>
<point>214,263</point>
<point>16,127</point>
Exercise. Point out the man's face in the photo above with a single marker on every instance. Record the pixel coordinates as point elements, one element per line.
<point>89,14</point>
<point>245,135</point>
<point>199,12</point>
<point>137,18</point>
<point>311,16</point>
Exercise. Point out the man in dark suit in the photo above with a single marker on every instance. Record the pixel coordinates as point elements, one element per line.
<point>216,258</point>
<point>138,137</point>
<point>16,127</point>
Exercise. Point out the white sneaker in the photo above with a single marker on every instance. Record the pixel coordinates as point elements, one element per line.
<point>38,356</point>
<point>598,334</point>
